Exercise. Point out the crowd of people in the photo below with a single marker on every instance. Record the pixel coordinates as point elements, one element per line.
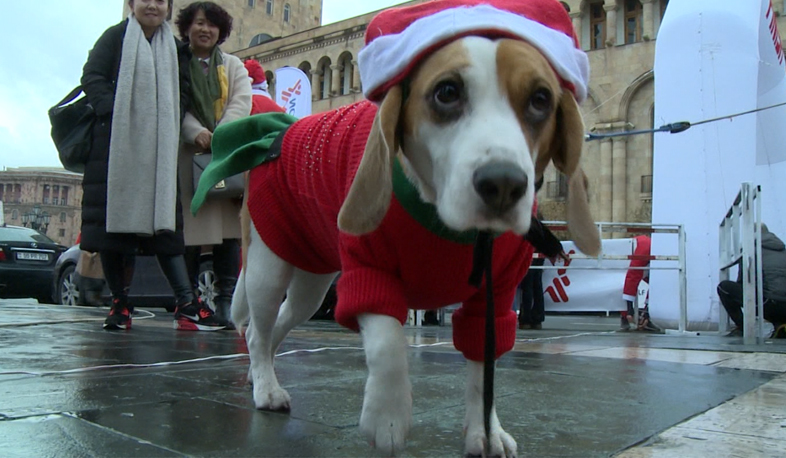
<point>157,99</point>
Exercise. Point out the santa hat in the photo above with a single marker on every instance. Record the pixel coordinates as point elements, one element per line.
<point>397,39</point>
<point>255,71</point>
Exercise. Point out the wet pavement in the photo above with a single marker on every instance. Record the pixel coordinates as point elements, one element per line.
<point>574,389</point>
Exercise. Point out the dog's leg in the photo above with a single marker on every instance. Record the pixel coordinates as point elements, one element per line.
<point>304,297</point>
<point>502,443</point>
<point>387,406</point>
<point>271,276</point>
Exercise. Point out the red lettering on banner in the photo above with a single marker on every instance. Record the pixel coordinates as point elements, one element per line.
<point>557,290</point>
<point>774,34</point>
<point>295,90</point>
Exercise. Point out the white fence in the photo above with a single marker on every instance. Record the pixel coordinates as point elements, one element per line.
<point>608,262</point>
<point>740,245</point>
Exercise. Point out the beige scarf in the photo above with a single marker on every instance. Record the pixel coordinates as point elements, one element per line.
<point>142,175</point>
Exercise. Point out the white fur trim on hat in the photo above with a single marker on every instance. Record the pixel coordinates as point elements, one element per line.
<point>387,56</point>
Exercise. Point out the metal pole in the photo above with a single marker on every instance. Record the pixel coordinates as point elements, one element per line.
<point>724,259</point>
<point>748,267</point>
<point>759,274</point>
<point>683,282</point>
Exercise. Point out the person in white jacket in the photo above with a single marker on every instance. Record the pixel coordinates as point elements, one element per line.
<point>221,92</point>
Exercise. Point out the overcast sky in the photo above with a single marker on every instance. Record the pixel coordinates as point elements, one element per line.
<point>45,46</point>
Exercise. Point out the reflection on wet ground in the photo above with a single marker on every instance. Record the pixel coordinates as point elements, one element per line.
<point>575,388</point>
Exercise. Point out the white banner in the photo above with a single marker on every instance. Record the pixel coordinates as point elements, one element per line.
<point>293,91</point>
<point>714,59</point>
<point>588,290</point>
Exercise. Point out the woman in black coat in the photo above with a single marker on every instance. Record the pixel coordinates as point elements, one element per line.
<point>128,178</point>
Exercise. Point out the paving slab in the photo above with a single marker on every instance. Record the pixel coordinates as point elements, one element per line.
<point>72,389</point>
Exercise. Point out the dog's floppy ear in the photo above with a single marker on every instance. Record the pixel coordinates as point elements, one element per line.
<point>565,152</point>
<point>369,196</point>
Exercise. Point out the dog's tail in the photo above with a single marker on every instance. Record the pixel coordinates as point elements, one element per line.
<point>239,309</point>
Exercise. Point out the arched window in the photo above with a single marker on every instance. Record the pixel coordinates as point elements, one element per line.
<point>14,215</point>
<point>325,78</point>
<point>287,12</point>
<point>62,217</point>
<point>345,75</point>
<point>259,39</point>
<point>305,67</point>
<point>269,7</point>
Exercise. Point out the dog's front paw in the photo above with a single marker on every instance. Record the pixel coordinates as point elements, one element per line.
<point>270,396</point>
<point>387,414</point>
<point>502,443</point>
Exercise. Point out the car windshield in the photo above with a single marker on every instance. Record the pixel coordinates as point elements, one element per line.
<point>22,234</point>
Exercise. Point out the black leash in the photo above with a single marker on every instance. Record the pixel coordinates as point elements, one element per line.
<point>481,264</point>
<point>545,242</point>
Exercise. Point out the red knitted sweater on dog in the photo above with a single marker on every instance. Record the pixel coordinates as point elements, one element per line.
<point>294,203</point>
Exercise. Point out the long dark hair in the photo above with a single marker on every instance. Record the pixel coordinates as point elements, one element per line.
<point>217,15</point>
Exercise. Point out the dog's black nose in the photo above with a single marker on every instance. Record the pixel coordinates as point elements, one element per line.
<point>500,185</point>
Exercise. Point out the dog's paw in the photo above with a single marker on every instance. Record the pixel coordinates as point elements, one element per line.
<point>387,414</point>
<point>270,396</point>
<point>502,443</point>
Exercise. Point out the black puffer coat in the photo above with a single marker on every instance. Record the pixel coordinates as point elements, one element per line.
<point>99,78</point>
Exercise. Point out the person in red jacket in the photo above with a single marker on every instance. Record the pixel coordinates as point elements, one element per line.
<point>261,101</point>
<point>641,258</point>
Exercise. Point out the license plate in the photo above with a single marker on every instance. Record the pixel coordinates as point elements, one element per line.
<point>32,256</point>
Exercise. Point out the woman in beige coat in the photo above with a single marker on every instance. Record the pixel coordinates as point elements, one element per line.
<point>221,92</point>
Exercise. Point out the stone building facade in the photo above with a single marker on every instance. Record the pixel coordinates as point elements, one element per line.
<point>55,191</point>
<point>619,37</point>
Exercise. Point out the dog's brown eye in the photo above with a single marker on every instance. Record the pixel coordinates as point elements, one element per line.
<point>540,103</point>
<point>447,93</point>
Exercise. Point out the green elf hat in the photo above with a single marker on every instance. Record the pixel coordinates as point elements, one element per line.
<point>239,146</point>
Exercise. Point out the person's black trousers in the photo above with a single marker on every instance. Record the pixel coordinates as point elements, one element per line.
<point>119,272</point>
<point>532,308</point>
<point>730,294</point>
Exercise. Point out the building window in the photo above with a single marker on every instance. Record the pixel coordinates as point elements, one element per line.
<point>64,196</point>
<point>557,189</point>
<point>251,3</point>
<point>345,74</point>
<point>633,15</point>
<point>61,232</point>
<point>325,77</point>
<point>46,194</point>
<point>646,184</point>
<point>17,193</point>
<point>62,217</point>
<point>2,194</point>
<point>597,25</point>
<point>287,12</point>
<point>259,39</point>
<point>269,7</point>
<point>14,215</point>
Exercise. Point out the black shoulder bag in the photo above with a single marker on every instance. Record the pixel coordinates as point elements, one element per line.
<point>72,130</point>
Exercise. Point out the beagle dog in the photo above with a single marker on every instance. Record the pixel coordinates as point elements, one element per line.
<point>455,148</point>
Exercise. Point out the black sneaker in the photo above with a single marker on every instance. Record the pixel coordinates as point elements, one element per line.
<point>119,316</point>
<point>196,316</point>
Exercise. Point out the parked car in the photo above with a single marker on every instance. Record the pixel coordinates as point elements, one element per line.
<point>148,289</point>
<point>27,262</point>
